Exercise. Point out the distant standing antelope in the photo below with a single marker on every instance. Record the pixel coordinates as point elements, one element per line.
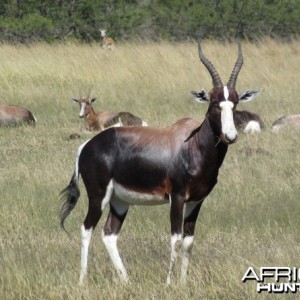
<point>11,115</point>
<point>291,121</point>
<point>100,120</point>
<point>178,165</point>
<point>106,42</point>
<point>245,121</point>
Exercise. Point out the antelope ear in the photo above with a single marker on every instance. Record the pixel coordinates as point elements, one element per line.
<point>247,96</point>
<point>93,99</point>
<point>75,100</point>
<point>201,97</point>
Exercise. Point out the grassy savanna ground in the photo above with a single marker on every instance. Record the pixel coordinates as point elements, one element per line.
<point>250,219</point>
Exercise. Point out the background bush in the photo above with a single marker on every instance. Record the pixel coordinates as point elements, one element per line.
<point>26,21</point>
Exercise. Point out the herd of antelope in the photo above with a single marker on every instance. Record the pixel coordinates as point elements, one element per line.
<point>128,163</point>
<point>245,121</point>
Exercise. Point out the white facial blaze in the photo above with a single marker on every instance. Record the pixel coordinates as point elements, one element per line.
<point>226,93</point>
<point>82,109</point>
<point>102,32</point>
<point>228,127</point>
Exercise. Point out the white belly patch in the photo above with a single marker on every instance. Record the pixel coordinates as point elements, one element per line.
<point>137,198</point>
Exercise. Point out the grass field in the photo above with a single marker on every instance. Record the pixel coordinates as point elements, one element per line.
<point>250,219</point>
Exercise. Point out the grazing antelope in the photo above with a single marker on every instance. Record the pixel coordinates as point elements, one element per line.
<point>245,121</point>
<point>11,115</point>
<point>103,119</point>
<point>178,165</point>
<point>106,42</point>
<point>292,121</point>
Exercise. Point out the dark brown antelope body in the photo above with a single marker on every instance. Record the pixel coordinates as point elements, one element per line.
<point>11,115</point>
<point>178,165</point>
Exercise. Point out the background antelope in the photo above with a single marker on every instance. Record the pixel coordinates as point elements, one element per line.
<point>292,121</point>
<point>100,120</point>
<point>11,115</point>
<point>106,42</point>
<point>245,121</point>
<point>178,165</point>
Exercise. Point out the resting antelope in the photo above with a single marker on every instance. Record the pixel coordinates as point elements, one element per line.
<point>178,165</point>
<point>100,120</point>
<point>106,42</point>
<point>245,121</point>
<point>11,115</point>
<point>292,121</point>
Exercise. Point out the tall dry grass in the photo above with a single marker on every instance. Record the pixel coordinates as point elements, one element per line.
<point>250,219</point>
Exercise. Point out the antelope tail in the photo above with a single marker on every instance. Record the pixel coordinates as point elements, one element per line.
<point>71,193</point>
<point>70,196</point>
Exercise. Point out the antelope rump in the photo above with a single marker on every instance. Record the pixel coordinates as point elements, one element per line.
<point>178,166</point>
<point>11,115</point>
<point>290,121</point>
<point>247,121</point>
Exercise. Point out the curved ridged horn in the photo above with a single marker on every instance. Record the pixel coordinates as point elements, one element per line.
<point>210,67</point>
<point>237,67</point>
<point>89,93</point>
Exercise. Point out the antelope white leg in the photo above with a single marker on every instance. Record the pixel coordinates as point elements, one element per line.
<point>85,243</point>
<point>187,245</point>
<point>190,216</point>
<point>110,242</point>
<point>175,246</point>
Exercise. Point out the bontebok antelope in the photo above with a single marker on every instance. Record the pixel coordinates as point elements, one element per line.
<point>105,42</point>
<point>178,165</point>
<point>12,115</point>
<point>100,120</point>
<point>290,121</point>
<point>248,121</point>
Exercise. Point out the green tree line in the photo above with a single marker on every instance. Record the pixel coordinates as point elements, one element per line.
<point>176,20</point>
